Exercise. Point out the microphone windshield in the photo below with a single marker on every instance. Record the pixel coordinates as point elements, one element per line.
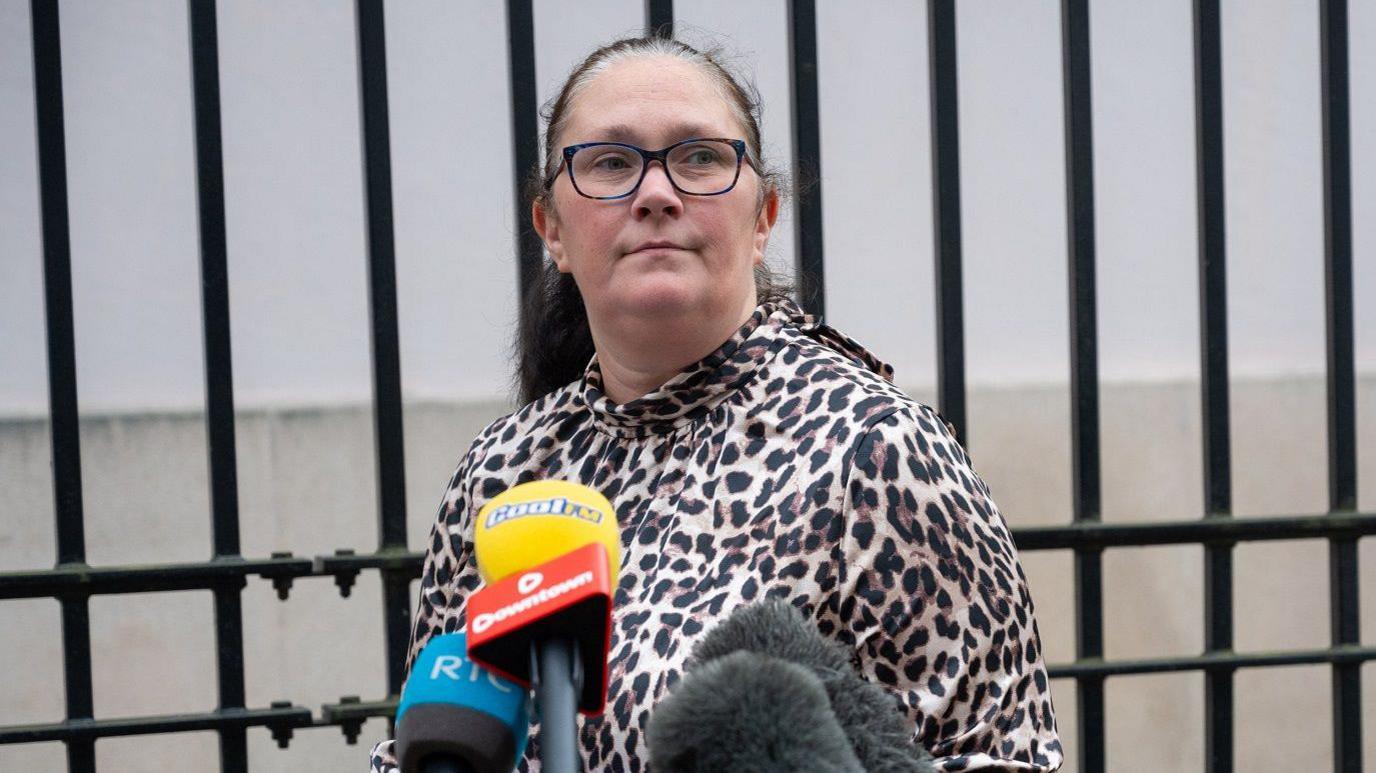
<point>532,523</point>
<point>749,712</point>
<point>774,631</point>
<point>452,707</point>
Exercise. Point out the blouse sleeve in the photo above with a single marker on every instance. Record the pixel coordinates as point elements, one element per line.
<point>448,571</point>
<point>938,604</point>
<point>383,758</point>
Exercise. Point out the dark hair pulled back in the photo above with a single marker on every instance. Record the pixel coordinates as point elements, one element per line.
<point>553,342</point>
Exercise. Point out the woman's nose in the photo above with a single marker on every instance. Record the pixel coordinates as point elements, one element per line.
<point>656,195</point>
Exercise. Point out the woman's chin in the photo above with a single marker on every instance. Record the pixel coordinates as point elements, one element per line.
<point>662,294</point>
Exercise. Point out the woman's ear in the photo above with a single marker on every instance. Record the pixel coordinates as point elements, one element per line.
<point>547,225</point>
<point>764,223</point>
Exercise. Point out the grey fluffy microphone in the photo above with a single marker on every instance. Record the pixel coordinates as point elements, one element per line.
<point>766,692</point>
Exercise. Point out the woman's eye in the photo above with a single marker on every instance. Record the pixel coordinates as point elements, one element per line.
<point>612,163</point>
<point>702,156</point>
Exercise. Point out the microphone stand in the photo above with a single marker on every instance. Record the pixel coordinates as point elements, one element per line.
<point>557,674</point>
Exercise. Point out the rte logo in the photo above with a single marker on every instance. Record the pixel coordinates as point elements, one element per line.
<point>451,666</point>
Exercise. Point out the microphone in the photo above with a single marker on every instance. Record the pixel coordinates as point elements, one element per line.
<point>749,712</point>
<point>723,717</point>
<point>549,551</point>
<point>531,523</point>
<point>457,717</point>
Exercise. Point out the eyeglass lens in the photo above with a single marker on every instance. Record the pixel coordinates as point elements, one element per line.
<point>702,167</point>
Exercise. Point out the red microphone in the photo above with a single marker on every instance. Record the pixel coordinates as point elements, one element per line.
<point>549,551</point>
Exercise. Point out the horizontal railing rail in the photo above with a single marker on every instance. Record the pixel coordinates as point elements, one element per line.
<point>344,565</point>
<point>350,712</point>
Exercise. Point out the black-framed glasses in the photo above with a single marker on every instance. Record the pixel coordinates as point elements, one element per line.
<point>703,166</point>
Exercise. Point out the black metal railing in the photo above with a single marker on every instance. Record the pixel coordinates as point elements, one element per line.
<point>72,581</point>
<point>1213,369</point>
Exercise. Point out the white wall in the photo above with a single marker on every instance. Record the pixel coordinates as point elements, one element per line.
<point>295,202</point>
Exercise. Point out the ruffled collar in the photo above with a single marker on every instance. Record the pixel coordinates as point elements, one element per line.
<point>703,385</point>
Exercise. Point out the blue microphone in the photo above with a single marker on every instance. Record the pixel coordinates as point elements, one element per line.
<point>457,717</point>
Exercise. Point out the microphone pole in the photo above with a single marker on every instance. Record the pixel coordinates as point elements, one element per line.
<point>549,551</point>
<point>558,679</point>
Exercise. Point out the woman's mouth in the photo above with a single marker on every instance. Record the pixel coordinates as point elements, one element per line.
<point>658,245</point>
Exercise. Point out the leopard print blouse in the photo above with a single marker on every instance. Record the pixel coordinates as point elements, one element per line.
<point>785,464</point>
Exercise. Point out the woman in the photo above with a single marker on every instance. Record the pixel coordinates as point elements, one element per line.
<point>751,452</point>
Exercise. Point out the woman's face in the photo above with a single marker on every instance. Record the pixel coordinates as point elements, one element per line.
<point>658,252</point>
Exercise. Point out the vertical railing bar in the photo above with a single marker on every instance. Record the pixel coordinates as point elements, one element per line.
<point>62,394</point>
<point>1337,191</point>
<point>382,280</point>
<point>1212,260</point>
<point>950,325</point>
<point>807,154</point>
<point>382,312</point>
<point>57,264</point>
<point>1084,367</point>
<point>76,649</point>
<point>659,18</point>
<point>1347,677</point>
<point>219,380</point>
<point>229,664</point>
<point>1218,636</point>
<point>1213,317</point>
<point>1342,419</point>
<point>1089,645</point>
<point>525,140</point>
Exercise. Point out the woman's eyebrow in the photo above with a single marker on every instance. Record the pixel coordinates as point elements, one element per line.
<point>621,132</point>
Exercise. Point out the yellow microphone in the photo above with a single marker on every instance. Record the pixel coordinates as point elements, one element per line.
<point>532,523</point>
<point>549,552</point>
